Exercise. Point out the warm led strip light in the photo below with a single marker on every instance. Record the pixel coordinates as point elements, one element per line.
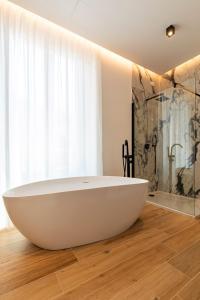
<point>66,32</point>
<point>60,30</point>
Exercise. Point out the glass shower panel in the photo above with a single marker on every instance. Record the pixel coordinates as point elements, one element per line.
<point>197,147</point>
<point>151,143</point>
<point>176,147</point>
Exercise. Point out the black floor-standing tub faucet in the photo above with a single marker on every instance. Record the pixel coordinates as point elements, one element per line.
<point>127,158</point>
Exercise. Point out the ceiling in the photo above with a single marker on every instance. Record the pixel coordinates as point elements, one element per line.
<point>134,29</point>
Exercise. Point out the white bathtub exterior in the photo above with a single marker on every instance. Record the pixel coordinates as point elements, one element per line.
<point>64,213</point>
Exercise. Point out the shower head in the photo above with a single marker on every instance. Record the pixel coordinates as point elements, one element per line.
<point>160,98</point>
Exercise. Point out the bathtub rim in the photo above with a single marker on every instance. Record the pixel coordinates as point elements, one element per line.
<point>6,195</point>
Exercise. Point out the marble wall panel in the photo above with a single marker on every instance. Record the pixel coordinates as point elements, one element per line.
<point>172,118</point>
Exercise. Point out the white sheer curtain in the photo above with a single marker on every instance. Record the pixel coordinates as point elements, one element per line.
<point>50,102</point>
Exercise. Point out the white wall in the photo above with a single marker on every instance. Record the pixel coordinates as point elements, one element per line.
<point>116,110</point>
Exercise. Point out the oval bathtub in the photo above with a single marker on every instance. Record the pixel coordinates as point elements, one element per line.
<point>63,213</point>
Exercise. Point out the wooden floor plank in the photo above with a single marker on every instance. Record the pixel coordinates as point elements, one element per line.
<point>42,289</point>
<point>177,297</point>
<point>22,262</point>
<point>192,290</point>
<point>151,212</point>
<point>17,250</point>
<point>170,223</point>
<point>83,252</point>
<point>161,284</point>
<point>188,261</point>
<point>185,238</point>
<point>122,275</point>
<point>91,267</point>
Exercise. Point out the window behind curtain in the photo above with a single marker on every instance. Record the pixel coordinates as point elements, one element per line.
<point>50,106</point>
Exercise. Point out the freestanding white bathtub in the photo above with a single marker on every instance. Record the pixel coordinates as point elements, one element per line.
<point>63,213</point>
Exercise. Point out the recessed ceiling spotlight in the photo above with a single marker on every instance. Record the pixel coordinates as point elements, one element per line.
<point>170,31</point>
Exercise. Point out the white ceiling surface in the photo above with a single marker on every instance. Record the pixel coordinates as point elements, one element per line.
<point>134,29</point>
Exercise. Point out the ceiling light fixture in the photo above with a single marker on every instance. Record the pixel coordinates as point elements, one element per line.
<point>170,31</point>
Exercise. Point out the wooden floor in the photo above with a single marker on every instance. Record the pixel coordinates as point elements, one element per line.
<point>158,258</point>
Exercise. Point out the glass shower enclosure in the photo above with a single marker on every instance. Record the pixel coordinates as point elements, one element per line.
<point>175,143</point>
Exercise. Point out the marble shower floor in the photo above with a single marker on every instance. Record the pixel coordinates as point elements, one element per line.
<point>186,205</point>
